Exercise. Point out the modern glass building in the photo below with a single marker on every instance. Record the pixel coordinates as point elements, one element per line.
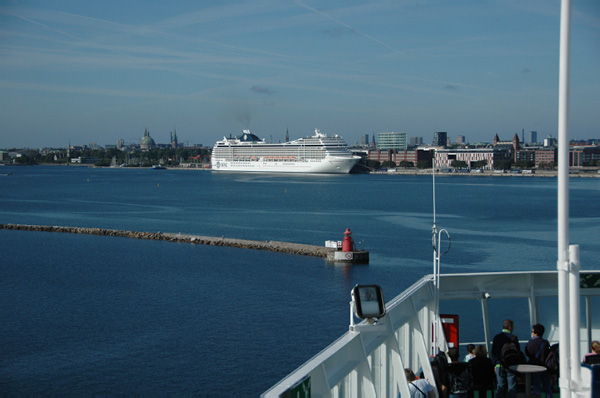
<point>532,137</point>
<point>364,140</point>
<point>440,138</point>
<point>391,140</point>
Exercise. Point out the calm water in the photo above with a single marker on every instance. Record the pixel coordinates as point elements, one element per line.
<point>102,315</point>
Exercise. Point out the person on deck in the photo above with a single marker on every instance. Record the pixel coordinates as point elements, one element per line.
<point>506,379</point>
<point>458,374</point>
<point>537,350</point>
<point>470,355</point>
<point>419,388</point>
<point>482,371</point>
<point>592,357</point>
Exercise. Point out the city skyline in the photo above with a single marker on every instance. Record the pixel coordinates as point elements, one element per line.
<point>99,72</point>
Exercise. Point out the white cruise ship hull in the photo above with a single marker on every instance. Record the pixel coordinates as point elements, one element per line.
<point>323,166</point>
<point>317,154</point>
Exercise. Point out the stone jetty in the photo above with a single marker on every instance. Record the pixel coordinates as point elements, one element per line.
<point>283,247</point>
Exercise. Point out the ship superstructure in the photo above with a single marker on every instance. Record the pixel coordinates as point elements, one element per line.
<point>319,153</point>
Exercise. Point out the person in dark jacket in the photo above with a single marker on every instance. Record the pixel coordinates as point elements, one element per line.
<point>506,379</point>
<point>482,371</point>
<point>537,350</point>
<point>458,375</point>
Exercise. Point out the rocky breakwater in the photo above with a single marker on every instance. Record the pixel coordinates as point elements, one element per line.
<point>274,246</point>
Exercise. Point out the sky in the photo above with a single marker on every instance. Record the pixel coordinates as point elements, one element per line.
<point>81,72</point>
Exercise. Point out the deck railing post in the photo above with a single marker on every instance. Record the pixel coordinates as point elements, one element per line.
<point>575,317</point>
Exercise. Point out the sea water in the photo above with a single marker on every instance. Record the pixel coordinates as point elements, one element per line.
<point>86,314</point>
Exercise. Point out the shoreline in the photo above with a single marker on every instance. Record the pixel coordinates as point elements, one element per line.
<point>574,172</point>
<point>274,246</point>
<point>491,173</point>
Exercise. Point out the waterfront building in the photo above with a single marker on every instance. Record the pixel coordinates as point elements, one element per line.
<point>415,156</point>
<point>545,156</point>
<point>392,140</point>
<point>512,146</point>
<point>526,155</point>
<point>440,138</point>
<point>580,156</point>
<point>147,141</point>
<point>445,157</point>
<point>364,140</point>
<point>532,137</point>
<point>416,141</point>
<point>380,155</point>
<point>549,141</point>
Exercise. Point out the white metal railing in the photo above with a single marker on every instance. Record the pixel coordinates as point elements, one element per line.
<point>370,362</point>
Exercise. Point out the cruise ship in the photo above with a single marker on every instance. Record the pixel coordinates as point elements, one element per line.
<point>317,154</point>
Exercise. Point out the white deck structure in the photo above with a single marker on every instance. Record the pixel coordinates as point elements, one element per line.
<point>370,362</point>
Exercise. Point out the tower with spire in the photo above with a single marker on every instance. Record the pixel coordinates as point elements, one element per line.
<point>174,142</point>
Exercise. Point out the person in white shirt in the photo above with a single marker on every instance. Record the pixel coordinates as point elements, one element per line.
<point>419,388</point>
<point>470,354</point>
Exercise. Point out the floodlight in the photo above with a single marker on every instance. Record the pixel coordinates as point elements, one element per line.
<point>368,301</point>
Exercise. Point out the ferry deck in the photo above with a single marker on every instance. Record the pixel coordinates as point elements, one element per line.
<point>369,360</point>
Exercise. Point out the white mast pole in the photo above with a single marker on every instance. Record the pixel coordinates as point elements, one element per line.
<point>435,269</point>
<point>562,264</point>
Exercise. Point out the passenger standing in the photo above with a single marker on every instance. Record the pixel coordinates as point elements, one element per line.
<point>458,375</point>
<point>537,350</point>
<point>506,379</point>
<point>595,352</point>
<point>594,348</point>
<point>482,371</point>
<point>419,388</point>
<point>470,354</point>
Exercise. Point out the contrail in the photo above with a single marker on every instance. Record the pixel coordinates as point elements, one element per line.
<point>350,27</point>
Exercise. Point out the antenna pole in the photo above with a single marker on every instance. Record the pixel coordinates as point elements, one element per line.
<point>436,241</point>
<point>433,174</point>
<point>435,268</point>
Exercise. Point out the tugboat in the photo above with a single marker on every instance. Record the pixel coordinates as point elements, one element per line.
<point>345,251</point>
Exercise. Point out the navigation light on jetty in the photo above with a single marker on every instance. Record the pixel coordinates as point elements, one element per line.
<point>345,251</point>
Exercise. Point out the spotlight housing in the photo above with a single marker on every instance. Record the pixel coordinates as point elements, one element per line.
<point>368,301</point>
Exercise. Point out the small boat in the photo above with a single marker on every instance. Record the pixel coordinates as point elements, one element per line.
<point>158,167</point>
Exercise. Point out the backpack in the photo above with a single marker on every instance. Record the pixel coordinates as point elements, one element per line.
<point>542,354</point>
<point>551,362</point>
<point>510,354</point>
<point>459,378</point>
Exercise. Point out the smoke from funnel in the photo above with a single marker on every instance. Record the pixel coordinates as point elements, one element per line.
<point>243,115</point>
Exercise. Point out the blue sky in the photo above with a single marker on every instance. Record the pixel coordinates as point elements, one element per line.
<point>97,71</point>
